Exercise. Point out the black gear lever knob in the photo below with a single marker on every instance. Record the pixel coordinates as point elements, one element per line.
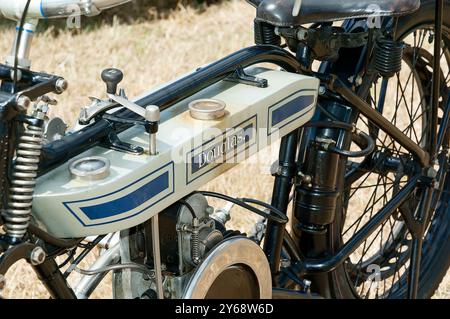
<point>112,78</point>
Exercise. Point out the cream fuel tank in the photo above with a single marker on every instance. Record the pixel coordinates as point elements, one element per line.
<point>103,190</point>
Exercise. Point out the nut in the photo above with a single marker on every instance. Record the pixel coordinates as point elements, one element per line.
<point>23,102</point>
<point>37,256</point>
<point>61,85</point>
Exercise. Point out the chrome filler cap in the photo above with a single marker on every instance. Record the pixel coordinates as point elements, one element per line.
<point>90,168</point>
<point>207,109</point>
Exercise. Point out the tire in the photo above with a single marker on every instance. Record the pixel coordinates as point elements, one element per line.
<point>436,246</point>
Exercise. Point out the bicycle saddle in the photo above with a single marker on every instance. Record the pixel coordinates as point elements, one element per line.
<point>291,13</point>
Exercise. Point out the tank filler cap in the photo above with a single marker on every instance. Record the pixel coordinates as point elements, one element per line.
<point>207,109</point>
<point>90,168</point>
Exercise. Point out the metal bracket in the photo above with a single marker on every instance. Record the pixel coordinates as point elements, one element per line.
<point>239,76</point>
<point>113,142</point>
<point>14,254</point>
<point>325,41</point>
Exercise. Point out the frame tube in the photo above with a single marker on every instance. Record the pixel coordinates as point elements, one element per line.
<point>339,87</point>
<point>52,278</point>
<point>436,76</point>
<point>280,198</point>
<point>71,145</point>
<point>434,142</point>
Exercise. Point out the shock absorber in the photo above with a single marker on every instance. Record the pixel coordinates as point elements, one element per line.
<point>316,196</point>
<point>23,180</point>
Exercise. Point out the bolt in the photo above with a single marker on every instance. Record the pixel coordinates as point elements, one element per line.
<point>306,285</point>
<point>23,102</point>
<point>279,170</point>
<point>322,90</point>
<point>357,80</point>
<point>37,256</point>
<point>61,85</point>
<point>430,172</point>
<point>285,263</point>
<point>259,227</point>
<point>307,179</point>
<point>302,34</point>
<point>304,179</point>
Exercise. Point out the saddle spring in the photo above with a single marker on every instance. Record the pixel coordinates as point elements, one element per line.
<point>388,57</point>
<point>265,34</point>
<point>18,212</point>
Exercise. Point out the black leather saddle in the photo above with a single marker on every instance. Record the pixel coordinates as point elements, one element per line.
<point>291,13</point>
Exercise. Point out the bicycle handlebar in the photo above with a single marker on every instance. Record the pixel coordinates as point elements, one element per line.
<point>43,9</point>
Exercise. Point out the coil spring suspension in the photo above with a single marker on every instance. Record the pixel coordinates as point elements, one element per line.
<point>388,57</point>
<point>4,144</point>
<point>18,213</point>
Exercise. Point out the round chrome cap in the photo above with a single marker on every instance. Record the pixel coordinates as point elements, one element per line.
<point>207,109</point>
<point>90,168</point>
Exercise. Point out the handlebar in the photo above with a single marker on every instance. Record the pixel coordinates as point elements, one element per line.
<point>43,9</point>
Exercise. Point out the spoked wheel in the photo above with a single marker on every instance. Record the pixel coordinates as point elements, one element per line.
<point>380,266</point>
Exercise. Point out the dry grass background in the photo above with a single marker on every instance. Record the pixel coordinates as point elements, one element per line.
<point>149,52</point>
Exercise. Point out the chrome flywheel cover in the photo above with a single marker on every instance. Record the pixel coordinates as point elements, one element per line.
<point>237,258</point>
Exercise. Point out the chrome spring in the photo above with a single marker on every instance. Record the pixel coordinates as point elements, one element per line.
<point>18,213</point>
<point>195,246</point>
<point>4,143</point>
<point>388,57</point>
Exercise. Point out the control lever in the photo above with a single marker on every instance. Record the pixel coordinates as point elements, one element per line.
<point>112,77</point>
<point>151,114</point>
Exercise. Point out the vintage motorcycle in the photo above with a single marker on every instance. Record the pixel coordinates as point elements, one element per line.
<point>362,166</point>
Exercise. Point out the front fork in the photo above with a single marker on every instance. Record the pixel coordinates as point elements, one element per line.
<point>317,175</point>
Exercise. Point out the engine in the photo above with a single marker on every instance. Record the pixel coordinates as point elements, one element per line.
<point>193,241</point>
<point>188,231</point>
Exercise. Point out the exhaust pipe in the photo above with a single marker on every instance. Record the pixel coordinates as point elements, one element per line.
<point>45,9</point>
